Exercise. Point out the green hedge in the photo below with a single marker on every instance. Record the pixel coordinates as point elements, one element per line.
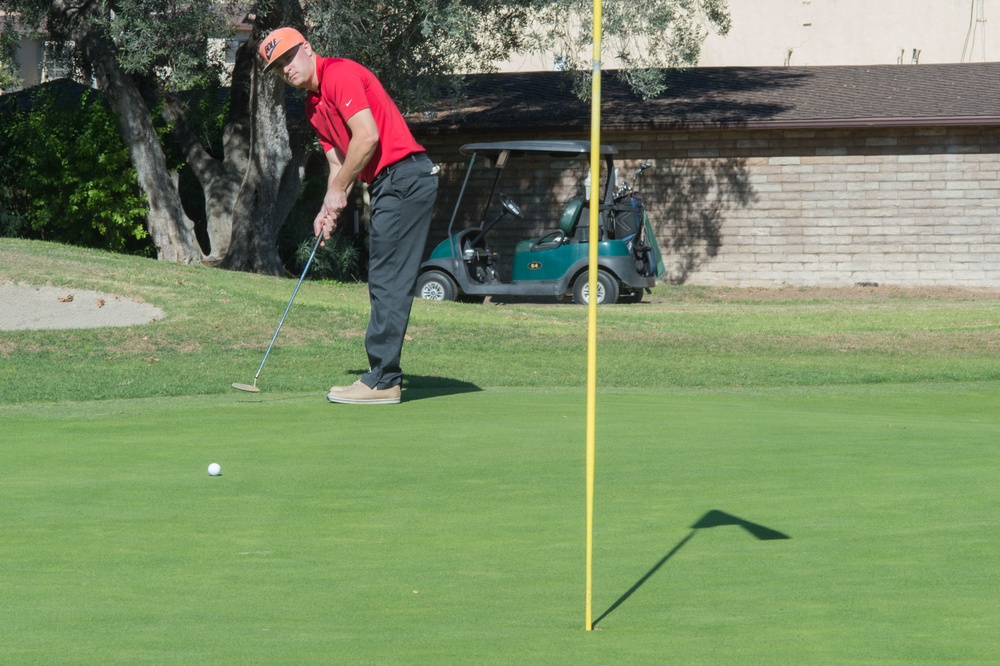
<point>66,175</point>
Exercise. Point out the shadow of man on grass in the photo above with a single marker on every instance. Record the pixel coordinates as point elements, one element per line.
<point>419,387</point>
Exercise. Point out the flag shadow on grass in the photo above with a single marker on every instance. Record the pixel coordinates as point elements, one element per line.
<point>713,518</point>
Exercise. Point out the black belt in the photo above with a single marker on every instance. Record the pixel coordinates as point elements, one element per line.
<point>412,157</point>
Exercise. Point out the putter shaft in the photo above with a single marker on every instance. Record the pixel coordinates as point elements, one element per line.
<point>274,337</point>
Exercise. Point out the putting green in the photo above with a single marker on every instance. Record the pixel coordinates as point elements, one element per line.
<point>781,526</point>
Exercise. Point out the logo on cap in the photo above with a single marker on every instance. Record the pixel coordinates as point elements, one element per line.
<point>269,48</point>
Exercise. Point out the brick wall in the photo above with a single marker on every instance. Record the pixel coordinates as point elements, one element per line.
<point>900,206</point>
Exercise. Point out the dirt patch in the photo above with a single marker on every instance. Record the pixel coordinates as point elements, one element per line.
<point>712,294</point>
<point>855,293</point>
<point>26,307</point>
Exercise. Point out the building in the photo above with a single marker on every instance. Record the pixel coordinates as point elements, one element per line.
<point>855,32</point>
<point>768,176</point>
<point>805,33</point>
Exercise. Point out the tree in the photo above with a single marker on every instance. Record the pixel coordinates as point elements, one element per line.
<point>646,37</point>
<point>143,53</point>
<point>9,76</point>
<point>83,22</point>
<point>65,175</point>
<point>414,46</point>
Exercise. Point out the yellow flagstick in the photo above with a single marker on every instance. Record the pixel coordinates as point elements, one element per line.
<point>595,200</point>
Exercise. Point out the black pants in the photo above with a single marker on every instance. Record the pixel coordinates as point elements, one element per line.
<point>402,203</point>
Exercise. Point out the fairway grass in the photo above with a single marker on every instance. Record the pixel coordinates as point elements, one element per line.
<point>218,325</point>
<point>450,529</point>
<point>789,476</point>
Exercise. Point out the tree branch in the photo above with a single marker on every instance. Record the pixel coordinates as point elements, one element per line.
<point>205,167</point>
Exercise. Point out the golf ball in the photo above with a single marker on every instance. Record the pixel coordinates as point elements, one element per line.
<point>215,469</point>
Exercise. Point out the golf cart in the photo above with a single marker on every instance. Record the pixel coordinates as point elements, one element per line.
<point>465,265</point>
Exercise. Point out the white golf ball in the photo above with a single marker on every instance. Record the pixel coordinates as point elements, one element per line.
<point>215,469</point>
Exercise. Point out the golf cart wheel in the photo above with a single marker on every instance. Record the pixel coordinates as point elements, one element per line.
<point>607,289</point>
<point>436,286</point>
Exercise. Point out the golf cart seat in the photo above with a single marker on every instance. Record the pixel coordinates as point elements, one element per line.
<point>568,222</point>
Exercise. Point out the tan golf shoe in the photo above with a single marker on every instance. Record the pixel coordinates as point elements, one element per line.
<point>359,393</point>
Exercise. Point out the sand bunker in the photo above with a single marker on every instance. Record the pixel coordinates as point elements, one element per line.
<point>24,307</point>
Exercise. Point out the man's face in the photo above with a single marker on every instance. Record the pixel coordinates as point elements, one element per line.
<point>296,66</point>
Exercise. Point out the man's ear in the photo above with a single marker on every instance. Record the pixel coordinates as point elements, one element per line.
<point>307,47</point>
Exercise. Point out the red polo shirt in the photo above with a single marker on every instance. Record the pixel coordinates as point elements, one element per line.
<point>345,87</point>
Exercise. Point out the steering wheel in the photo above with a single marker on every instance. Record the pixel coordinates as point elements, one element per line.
<point>510,205</point>
<point>556,237</point>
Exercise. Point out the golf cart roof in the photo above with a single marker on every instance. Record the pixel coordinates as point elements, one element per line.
<point>524,147</point>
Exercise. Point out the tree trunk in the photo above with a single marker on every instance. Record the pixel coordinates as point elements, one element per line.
<point>249,193</point>
<point>170,228</point>
<point>271,184</point>
<point>220,180</point>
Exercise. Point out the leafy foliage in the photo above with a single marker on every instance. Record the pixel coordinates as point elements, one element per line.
<point>172,39</point>
<point>412,44</point>
<point>341,258</point>
<point>9,76</point>
<point>645,37</point>
<point>67,176</point>
<point>344,257</point>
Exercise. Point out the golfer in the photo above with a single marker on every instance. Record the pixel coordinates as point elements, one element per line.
<point>365,137</point>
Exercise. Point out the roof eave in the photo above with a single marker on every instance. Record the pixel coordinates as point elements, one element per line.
<point>812,123</point>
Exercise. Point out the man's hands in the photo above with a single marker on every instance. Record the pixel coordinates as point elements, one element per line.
<point>326,220</point>
<point>336,196</point>
<point>344,169</point>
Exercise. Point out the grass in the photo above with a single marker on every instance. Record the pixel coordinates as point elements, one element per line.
<point>219,324</point>
<point>859,424</point>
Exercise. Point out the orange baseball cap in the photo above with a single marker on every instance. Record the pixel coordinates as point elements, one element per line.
<point>278,43</point>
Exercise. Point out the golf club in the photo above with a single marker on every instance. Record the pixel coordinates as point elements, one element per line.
<point>253,388</point>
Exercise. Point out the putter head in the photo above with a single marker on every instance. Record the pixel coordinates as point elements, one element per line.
<point>246,387</point>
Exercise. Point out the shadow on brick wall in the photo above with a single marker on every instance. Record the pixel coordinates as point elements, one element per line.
<point>688,201</point>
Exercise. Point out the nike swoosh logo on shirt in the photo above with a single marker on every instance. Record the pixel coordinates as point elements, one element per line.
<point>349,102</point>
